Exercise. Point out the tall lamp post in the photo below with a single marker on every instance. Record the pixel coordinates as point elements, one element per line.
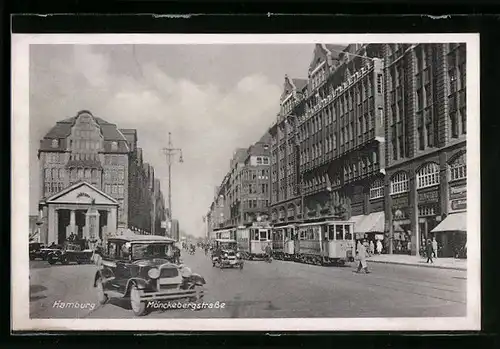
<point>170,151</point>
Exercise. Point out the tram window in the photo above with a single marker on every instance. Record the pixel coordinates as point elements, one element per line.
<point>302,235</point>
<point>256,235</point>
<point>348,234</point>
<point>269,235</point>
<point>316,233</point>
<point>263,235</point>
<point>339,232</point>
<point>331,232</point>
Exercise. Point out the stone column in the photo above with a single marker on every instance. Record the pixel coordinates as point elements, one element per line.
<point>71,228</point>
<point>51,226</point>
<point>86,227</point>
<point>112,221</point>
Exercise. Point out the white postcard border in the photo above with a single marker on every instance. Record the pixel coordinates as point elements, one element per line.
<point>20,191</point>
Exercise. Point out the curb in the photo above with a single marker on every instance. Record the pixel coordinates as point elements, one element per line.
<point>418,265</point>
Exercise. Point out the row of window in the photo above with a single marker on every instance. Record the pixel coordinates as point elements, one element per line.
<point>429,175</point>
<point>84,144</point>
<point>115,160</point>
<point>114,175</point>
<point>53,187</point>
<point>54,158</point>
<point>262,160</point>
<point>114,189</point>
<point>255,203</point>
<point>84,156</point>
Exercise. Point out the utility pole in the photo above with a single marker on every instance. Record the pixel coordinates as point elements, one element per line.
<point>170,151</point>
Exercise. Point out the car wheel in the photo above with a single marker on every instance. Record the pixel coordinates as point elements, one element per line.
<point>51,260</point>
<point>101,296</point>
<point>138,307</point>
<point>198,297</point>
<point>32,258</point>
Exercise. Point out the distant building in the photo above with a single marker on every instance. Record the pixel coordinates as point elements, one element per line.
<point>88,162</point>
<point>243,195</point>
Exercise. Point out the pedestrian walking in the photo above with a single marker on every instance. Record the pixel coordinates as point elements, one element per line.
<point>434,247</point>
<point>428,249</point>
<point>362,259</point>
<point>372,248</point>
<point>379,247</point>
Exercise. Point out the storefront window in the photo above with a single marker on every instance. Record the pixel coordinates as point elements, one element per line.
<point>428,175</point>
<point>399,183</point>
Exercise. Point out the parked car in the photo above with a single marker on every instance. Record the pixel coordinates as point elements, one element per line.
<point>70,253</point>
<point>40,251</point>
<point>139,269</point>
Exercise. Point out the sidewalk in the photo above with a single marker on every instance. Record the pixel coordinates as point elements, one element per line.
<point>443,263</point>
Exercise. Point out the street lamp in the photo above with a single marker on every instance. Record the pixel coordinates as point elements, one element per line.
<point>170,151</point>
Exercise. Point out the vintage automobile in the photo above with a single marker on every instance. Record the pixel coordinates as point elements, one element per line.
<point>226,255</point>
<point>40,251</point>
<point>140,269</point>
<point>70,253</point>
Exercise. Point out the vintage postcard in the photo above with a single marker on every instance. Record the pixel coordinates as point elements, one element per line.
<point>245,182</point>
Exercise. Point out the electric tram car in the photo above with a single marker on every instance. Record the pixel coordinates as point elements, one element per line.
<point>321,243</point>
<point>251,241</point>
<point>283,243</point>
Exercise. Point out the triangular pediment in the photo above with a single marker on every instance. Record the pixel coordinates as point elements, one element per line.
<point>82,193</point>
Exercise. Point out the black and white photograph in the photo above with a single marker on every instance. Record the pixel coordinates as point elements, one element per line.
<point>245,182</point>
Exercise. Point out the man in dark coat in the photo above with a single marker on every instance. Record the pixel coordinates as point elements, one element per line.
<point>429,251</point>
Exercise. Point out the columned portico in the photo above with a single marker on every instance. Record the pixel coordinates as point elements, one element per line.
<point>82,210</point>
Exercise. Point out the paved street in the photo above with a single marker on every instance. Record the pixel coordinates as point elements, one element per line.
<point>279,289</point>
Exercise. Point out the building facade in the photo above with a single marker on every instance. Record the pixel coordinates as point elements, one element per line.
<point>285,198</point>
<point>85,178</point>
<point>426,145</point>
<point>341,138</point>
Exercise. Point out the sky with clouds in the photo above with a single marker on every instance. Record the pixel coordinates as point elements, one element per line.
<point>213,98</point>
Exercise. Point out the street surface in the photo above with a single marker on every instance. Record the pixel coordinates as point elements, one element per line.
<point>269,290</point>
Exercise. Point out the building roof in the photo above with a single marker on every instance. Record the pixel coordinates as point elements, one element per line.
<point>62,129</point>
<point>336,49</point>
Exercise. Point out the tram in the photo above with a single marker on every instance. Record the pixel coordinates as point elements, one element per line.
<point>253,241</point>
<point>283,243</point>
<point>320,243</point>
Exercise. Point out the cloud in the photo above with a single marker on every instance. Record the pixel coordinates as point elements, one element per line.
<point>206,121</point>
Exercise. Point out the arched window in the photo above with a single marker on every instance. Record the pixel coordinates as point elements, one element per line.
<point>47,174</point>
<point>458,167</point>
<point>54,173</point>
<point>61,173</point>
<point>399,183</point>
<point>377,189</point>
<point>428,175</point>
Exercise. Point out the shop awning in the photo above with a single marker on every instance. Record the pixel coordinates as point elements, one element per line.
<point>454,222</point>
<point>358,220</point>
<point>373,222</point>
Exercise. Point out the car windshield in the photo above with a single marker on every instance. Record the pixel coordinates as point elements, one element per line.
<point>143,251</point>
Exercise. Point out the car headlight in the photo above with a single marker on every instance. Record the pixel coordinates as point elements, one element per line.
<point>186,272</point>
<point>154,273</point>
<point>226,255</point>
<point>238,255</point>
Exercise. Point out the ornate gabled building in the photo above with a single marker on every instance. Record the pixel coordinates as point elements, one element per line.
<point>85,178</point>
